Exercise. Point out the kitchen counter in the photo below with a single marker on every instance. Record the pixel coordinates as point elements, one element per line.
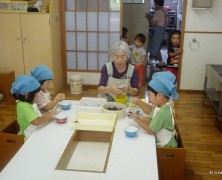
<point>130,158</point>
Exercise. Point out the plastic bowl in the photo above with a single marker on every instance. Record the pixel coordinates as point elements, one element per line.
<point>61,118</point>
<point>131,131</point>
<point>65,105</point>
<point>121,99</point>
<point>115,108</point>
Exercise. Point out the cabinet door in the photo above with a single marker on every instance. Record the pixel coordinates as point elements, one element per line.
<point>11,56</point>
<point>36,40</point>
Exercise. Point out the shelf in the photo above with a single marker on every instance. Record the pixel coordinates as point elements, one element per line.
<point>15,6</point>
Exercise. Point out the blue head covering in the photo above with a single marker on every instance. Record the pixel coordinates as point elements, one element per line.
<point>24,84</point>
<point>41,73</point>
<point>163,82</point>
<point>168,75</point>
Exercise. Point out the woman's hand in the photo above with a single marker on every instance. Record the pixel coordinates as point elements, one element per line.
<point>117,91</point>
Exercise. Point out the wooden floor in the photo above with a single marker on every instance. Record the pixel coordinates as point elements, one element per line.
<point>195,118</point>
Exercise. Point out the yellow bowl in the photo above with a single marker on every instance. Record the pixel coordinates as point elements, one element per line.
<point>121,99</point>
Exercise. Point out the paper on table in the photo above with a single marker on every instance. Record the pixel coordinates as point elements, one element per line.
<point>89,156</point>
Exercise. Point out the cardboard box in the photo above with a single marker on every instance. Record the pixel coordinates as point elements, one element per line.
<point>171,161</point>
<point>81,155</point>
<point>94,121</point>
<point>10,143</point>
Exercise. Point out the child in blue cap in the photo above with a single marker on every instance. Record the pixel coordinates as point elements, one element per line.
<point>24,89</point>
<point>44,75</point>
<point>160,120</point>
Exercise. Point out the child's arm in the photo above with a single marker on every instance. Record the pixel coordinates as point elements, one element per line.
<point>59,97</point>
<point>143,59</point>
<point>144,123</point>
<point>178,52</point>
<point>146,108</point>
<point>45,118</point>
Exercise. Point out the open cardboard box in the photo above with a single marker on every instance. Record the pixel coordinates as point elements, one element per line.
<point>171,161</point>
<point>87,151</point>
<point>10,143</point>
<point>94,121</point>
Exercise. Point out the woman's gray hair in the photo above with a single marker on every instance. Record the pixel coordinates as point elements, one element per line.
<point>119,46</point>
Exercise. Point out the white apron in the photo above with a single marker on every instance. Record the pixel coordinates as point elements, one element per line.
<point>114,81</point>
<point>164,136</point>
<point>47,96</point>
<point>31,128</point>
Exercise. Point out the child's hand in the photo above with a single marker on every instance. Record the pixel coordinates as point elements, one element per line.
<point>180,51</point>
<point>132,115</point>
<point>135,100</point>
<point>59,97</point>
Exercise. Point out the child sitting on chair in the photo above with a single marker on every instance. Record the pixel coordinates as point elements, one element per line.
<point>160,121</point>
<point>44,76</point>
<point>24,89</point>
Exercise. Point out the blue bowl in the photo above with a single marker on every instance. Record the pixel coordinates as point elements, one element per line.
<point>65,105</point>
<point>131,131</point>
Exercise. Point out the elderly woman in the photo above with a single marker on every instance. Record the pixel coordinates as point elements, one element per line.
<point>118,77</point>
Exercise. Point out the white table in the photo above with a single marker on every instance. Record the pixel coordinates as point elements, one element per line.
<point>130,158</point>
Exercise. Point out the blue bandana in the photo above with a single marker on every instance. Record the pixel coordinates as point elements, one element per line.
<point>41,73</point>
<point>163,82</point>
<point>170,76</point>
<point>24,84</point>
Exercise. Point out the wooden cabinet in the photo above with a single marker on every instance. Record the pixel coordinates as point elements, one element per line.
<point>31,39</point>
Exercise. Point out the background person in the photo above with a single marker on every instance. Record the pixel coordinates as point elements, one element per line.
<point>174,52</point>
<point>124,35</point>
<point>138,56</point>
<point>158,25</point>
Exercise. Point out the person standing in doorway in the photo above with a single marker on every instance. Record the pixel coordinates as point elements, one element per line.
<point>174,53</point>
<point>158,25</point>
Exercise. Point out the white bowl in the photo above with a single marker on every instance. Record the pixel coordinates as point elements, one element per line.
<point>114,107</point>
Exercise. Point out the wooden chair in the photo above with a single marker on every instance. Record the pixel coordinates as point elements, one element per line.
<point>171,161</point>
<point>10,143</point>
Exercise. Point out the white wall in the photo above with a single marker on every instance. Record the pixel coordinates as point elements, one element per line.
<point>209,51</point>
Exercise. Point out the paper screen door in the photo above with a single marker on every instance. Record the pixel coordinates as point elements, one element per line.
<point>91,26</point>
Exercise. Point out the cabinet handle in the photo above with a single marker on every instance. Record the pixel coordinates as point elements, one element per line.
<point>24,39</point>
<point>17,38</point>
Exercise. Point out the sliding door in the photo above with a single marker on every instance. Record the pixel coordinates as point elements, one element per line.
<point>90,27</point>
